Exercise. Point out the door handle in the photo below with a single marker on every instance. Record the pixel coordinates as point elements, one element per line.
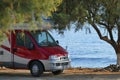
<point>14,49</point>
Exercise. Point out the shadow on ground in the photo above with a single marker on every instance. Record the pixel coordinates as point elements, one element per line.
<point>63,76</point>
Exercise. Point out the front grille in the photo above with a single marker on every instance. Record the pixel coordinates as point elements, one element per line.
<point>62,64</point>
<point>57,64</point>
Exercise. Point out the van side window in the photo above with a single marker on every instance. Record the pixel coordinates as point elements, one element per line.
<point>22,39</point>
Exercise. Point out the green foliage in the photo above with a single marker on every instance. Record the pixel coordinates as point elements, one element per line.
<point>91,11</point>
<point>13,12</point>
<point>97,13</point>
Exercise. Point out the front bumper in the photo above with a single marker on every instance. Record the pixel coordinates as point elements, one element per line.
<point>61,64</point>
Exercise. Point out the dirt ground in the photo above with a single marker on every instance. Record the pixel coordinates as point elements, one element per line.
<point>69,74</point>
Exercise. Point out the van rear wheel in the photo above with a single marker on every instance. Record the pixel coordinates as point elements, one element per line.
<point>36,69</point>
<point>57,72</point>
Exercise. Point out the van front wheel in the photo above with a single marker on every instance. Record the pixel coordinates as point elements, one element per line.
<point>36,69</point>
<point>57,72</point>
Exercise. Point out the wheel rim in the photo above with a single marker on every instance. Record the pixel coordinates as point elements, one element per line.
<point>35,69</point>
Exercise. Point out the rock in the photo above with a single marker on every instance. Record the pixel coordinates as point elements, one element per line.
<point>113,68</point>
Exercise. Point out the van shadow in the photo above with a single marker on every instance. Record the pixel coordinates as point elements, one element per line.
<point>23,74</point>
<point>49,75</point>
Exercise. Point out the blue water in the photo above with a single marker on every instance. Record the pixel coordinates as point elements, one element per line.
<point>86,50</point>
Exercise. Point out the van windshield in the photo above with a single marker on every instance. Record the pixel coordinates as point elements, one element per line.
<point>43,38</point>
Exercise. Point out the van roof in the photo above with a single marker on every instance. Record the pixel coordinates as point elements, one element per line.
<point>26,26</point>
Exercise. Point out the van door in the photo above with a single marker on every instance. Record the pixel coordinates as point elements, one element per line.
<point>22,51</point>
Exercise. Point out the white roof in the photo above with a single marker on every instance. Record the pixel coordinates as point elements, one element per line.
<point>26,26</point>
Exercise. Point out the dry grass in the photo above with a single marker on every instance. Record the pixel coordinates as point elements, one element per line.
<point>89,71</point>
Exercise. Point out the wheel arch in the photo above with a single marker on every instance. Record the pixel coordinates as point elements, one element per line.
<point>29,64</point>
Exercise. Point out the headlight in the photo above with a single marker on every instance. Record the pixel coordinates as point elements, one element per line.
<point>54,57</point>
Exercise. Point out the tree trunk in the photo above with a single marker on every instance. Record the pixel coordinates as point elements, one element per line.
<point>117,50</point>
<point>118,58</point>
<point>111,41</point>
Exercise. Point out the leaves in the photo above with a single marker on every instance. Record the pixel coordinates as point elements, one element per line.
<point>90,11</point>
<point>98,13</point>
<point>13,12</point>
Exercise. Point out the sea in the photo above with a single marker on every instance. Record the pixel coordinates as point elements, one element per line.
<point>85,49</point>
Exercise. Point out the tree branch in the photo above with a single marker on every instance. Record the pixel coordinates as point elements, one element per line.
<point>105,38</point>
<point>118,41</point>
<point>109,31</point>
<point>110,34</point>
<point>103,24</point>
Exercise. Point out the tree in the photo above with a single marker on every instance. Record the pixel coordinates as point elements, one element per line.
<point>13,12</point>
<point>98,13</point>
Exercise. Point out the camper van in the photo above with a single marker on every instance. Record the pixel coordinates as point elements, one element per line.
<point>35,50</point>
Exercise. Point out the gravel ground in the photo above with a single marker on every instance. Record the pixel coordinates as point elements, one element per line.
<point>66,75</point>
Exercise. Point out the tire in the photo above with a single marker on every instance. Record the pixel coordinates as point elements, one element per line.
<point>36,69</point>
<point>57,72</point>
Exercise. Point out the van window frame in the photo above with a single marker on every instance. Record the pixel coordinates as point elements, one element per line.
<point>26,39</point>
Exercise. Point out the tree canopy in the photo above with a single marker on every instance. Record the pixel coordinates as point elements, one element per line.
<point>20,11</point>
<point>97,13</point>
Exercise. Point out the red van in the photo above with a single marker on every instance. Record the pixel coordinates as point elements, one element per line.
<point>35,50</point>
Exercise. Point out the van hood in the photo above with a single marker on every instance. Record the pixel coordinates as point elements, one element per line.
<point>56,50</point>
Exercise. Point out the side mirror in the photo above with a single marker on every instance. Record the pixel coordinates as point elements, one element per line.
<point>57,42</point>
